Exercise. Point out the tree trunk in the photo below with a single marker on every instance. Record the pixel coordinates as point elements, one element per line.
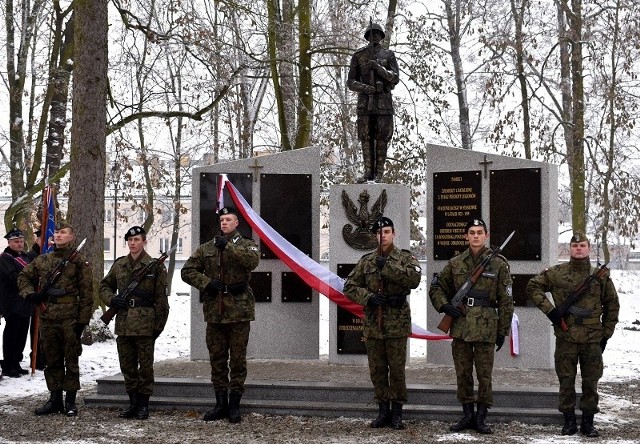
<point>89,129</point>
<point>305,88</point>
<point>453,24</point>
<point>518,16</point>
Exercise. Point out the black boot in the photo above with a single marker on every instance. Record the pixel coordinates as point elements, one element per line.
<point>384,416</point>
<point>53,405</point>
<point>130,410</point>
<point>570,427</point>
<point>396,416</point>
<point>234,407</point>
<point>481,426</point>
<point>143,406</point>
<point>468,421</point>
<point>221,409</point>
<point>586,426</point>
<point>70,407</point>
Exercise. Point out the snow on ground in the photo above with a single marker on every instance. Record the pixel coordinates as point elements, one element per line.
<point>622,356</point>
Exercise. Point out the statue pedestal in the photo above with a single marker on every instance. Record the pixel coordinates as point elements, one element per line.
<point>349,243</point>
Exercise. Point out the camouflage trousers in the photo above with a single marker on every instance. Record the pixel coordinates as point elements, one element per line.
<point>466,355</point>
<point>63,349</point>
<point>567,357</point>
<point>136,363</point>
<point>387,359</point>
<point>227,344</point>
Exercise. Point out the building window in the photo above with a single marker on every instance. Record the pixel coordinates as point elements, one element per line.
<point>108,215</point>
<point>107,244</point>
<point>164,244</point>
<point>179,249</point>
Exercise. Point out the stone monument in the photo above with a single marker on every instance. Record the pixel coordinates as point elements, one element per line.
<point>284,188</point>
<point>509,194</point>
<point>353,209</point>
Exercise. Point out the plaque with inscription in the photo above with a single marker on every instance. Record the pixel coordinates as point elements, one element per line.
<point>209,225</point>
<point>285,204</point>
<point>512,193</point>
<point>261,285</point>
<point>457,198</point>
<point>294,289</point>
<point>350,340</point>
<point>520,282</point>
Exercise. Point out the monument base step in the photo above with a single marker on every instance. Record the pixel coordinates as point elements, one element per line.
<point>527,405</point>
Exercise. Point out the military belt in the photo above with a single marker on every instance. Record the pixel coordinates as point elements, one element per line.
<point>62,299</point>
<point>138,302</point>
<point>237,288</point>
<point>476,302</point>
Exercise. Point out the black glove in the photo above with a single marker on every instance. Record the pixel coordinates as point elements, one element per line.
<point>603,344</point>
<point>118,302</point>
<point>499,342</point>
<point>156,333</point>
<point>380,261</point>
<point>220,242</point>
<point>452,311</point>
<point>376,300</point>
<point>36,298</point>
<point>554,317</point>
<point>79,328</point>
<point>214,286</point>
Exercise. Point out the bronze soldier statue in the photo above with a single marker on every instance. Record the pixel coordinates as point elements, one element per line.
<point>373,73</point>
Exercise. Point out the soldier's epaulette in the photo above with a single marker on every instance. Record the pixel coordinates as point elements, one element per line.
<point>359,50</point>
<point>369,254</point>
<point>121,257</point>
<point>501,257</point>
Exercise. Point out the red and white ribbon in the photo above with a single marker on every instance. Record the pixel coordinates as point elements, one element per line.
<point>312,273</point>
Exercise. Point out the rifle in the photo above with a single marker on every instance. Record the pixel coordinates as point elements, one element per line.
<point>379,310</point>
<point>53,275</point>
<point>445,323</point>
<point>127,293</point>
<point>41,307</point>
<point>567,305</point>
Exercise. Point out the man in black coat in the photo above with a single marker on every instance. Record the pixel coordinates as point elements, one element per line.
<point>16,310</point>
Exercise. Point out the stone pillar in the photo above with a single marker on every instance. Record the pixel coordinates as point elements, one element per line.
<point>343,256</point>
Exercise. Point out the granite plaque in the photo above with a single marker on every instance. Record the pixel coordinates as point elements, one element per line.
<point>209,225</point>
<point>294,289</point>
<point>261,285</point>
<point>520,282</point>
<point>285,204</point>
<point>457,197</point>
<point>349,340</point>
<point>516,192</point>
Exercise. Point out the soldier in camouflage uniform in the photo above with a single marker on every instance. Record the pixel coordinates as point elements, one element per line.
<point>221,270</point>
<point>381,281</point>
<point>140,319</point>
<point>590,323</point>
<point>484,323</point>
<point>373,73</point>
<point>69,306</point>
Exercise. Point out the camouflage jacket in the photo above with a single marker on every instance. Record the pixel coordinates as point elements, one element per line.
<point>601,300</point>
<point>400,274</point>
<point>480,323</point>
<point>76,280</point>
<point>360,75</point>
<point>151,316</point>
<point>240,256</point>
